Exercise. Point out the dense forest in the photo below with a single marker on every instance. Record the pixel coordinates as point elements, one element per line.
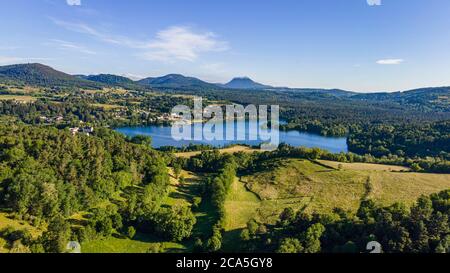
<point>424,228</point>
<point>426,139</point>
<point>48,175</point>
<point>38,74</point>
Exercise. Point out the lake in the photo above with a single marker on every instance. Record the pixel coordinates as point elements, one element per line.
<point>162,136</point>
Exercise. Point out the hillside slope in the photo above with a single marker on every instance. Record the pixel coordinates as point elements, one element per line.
<point>109,79</point>
<point>425,99</point>
<point>176,81</point>
<point>322,188</point>
<point>42,75</point>
<point>245,83</point>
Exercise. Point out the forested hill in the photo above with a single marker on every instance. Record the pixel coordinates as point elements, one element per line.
<point>48,176</point>
<point>114,81</point>
<point>107,79</point>
<point>427,99</point>
<point>42,75</point>
<point>317,92</point>
<point>75,172</point>
<point>177,81</point>
<point>424,139</point>
<point>245,83</point>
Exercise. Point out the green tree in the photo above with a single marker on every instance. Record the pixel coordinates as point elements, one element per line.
<point>131,232</point>
<point>177,169</point>
<point>57,236</point>
<point>196,202</point>
<point>287,216</point>
<point>311,239</point>
<point>290,245</point>
<point>156,248</point>
<point>175,223</point>
<point>215,241</point>
<point>252,227</point>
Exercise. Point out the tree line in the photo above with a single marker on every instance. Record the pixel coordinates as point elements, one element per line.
<point>84,187</point>
<point>424,228</point>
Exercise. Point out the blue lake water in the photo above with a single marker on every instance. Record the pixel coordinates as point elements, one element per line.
<point>162,136</point>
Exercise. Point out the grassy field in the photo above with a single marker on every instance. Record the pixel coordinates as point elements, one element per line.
<point>231,150</point>
<point>181,194</point>
<point>108,90</point>
<point>25,90</point>
<point>18,98</point>
<point>5,119</point>
<point>320,189</point>
<point>241,206</point>
<point>364,166</point>
<point>107,107</point>
<point>7,221</point>
<point>141,243</point>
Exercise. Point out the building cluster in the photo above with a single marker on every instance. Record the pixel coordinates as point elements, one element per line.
<point>87,130</point>
<point>51,119</point>
<point>170,117</point>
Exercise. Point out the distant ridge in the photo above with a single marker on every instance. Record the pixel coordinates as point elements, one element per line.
<point>42,75</point>
<point>427,98</point>
<point>107,79</point>
<point>176,81</point>
<point>245,83</point>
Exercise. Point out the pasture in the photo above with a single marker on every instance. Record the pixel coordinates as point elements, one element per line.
<point>321,189</point>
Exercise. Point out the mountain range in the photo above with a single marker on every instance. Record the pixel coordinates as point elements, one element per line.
<point>39,74</point>
<point>42,75</point>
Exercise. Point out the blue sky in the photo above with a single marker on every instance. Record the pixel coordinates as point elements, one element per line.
<point>348,44</point>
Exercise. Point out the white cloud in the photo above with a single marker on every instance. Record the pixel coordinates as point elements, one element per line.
<point>182,43</point>
<point>171,44</point>
<point>14,60</point>
<point>390,61</point>
<point>71,46</point>
<point>374,2</point>
<point>73,2</point>
<point>105,37</point>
